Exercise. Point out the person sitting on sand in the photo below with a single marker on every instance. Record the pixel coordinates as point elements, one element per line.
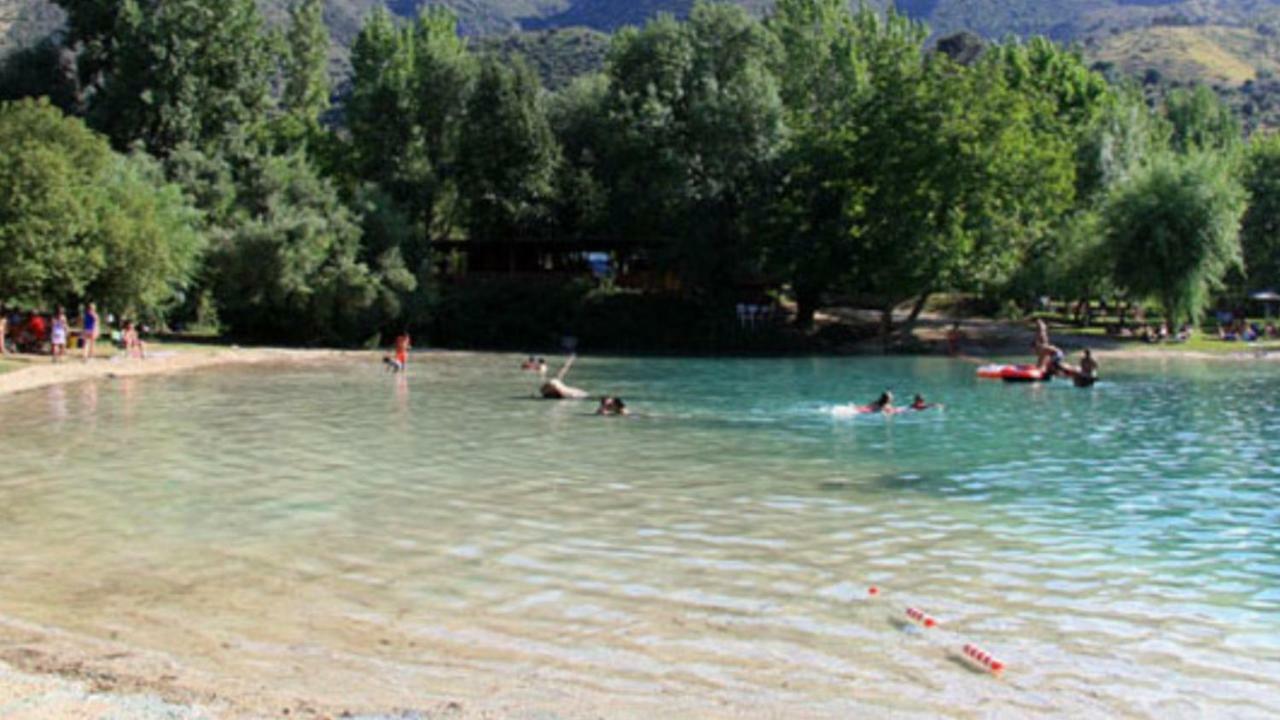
<point>556,389</point>
<point>919,404</point>
<point>612,406</point>
<point>133,345</point>
<point>58,335</point>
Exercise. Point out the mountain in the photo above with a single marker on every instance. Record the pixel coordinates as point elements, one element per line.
<point>1221,41</point>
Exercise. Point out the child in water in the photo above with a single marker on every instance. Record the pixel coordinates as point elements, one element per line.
<point>919,404</point>
<point>400,361</point>
<point>612,406</point>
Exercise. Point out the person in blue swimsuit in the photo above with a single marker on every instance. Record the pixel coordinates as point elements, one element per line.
<point>90,335</point>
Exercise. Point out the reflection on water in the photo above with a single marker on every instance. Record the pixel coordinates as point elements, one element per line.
<point>441,535</point>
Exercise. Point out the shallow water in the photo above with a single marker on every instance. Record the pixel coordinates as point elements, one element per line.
<point>444,536</point>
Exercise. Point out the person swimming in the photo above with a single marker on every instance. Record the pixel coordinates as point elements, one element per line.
<point>919,404</point>
<point>883,404</point>
<point>613,406</point>
<point>556,389</point>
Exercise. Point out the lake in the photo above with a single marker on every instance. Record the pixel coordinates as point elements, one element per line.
<point>342,533</point>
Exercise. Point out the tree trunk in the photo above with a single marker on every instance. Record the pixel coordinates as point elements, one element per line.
<point>915,313</point>
<point>886,327</point>
<point>807,300</point>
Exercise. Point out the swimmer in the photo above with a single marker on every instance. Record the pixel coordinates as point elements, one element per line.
<point>919,404</point>
<point>612,406</point>
<point>884,404</point>
<point>556,389</point>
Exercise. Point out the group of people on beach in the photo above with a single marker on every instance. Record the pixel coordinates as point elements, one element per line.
<point>32,331</point>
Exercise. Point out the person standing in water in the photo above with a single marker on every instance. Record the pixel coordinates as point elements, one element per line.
<point>403,344</point>
<point>58,335</point>
<point>89,337</point>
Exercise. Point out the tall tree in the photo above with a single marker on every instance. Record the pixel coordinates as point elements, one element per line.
<point>76,218</point>
<point>507,154</point>
<point>698,124</point>
<point>306,62</point>
<point>168,72</point>
<point>1261,231</point>
<point>1173,231</point>
<point>1202,121</point>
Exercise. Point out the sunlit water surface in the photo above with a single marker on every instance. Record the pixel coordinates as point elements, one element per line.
<point>447,536</point>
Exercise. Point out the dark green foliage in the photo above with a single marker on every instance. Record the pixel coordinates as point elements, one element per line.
<point>170,72</point>
<point>508,158</point>
<point>46,70</point>
<point>1261,231</point>
<point>558,56</point>
<point>289,269</point>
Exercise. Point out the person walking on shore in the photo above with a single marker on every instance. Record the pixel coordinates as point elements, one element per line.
<point>89,338</point>
<point>58,336</point>
<point>4,331</point>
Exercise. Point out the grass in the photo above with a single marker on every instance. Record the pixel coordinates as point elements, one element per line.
<point>1199,342</point>
<point>1215,54</point>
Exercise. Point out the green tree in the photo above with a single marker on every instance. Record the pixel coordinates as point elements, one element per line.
<point>1261,230</point>
<point>150,240</point>
<point>697,126</point>
<point>1202,121</point>
<point>169,72</point>
<point>580,123</point>
<point>409,91</point>
<point>508,156</point>
<point>290,269</point>
<point>51,169</point>
<point>76,219</point>
<point>1173,231</point>
<point>306,62</point>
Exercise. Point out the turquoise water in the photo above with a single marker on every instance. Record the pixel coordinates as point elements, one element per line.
<point>445,535</point>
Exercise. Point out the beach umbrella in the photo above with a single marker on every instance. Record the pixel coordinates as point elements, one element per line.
<point>1266,296</point>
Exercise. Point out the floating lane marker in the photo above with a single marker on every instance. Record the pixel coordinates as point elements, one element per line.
<point>983,658</point>
<point>920,618</point>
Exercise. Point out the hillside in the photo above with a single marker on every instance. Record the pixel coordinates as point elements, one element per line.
<point>1228,56</point>
<point>1226,42</point>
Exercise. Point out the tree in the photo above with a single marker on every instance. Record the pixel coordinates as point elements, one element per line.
<point>507,154</point>
<point>1173,231</point>
<point>409,91</point>
<point>150,239</point>
<point>1202,121</point>
<point>1261,230</point>
<point>169,72</point>
<point>697,125</point>
<point>290,270</point>
<point>580,124</point>
<point>50,172</point>
<point>78,220</point>
<point>306,63</point>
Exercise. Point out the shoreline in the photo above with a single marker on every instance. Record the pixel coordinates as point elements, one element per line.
<point>39,372</point>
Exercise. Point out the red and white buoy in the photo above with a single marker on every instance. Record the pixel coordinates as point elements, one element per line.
<point>918,617</point>
<point>981,657</point>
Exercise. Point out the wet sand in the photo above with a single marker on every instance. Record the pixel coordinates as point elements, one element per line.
<point>39,372</point>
